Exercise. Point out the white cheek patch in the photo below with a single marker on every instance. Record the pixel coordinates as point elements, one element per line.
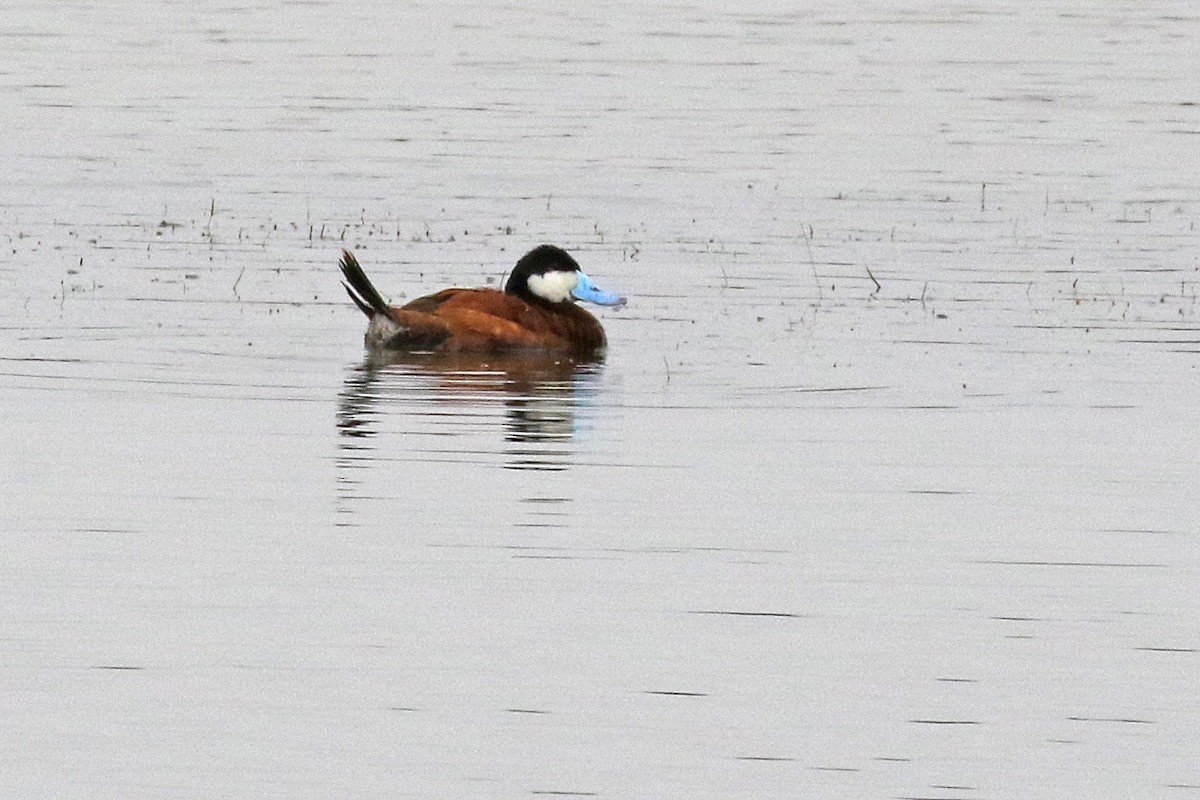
<point>554,287</point>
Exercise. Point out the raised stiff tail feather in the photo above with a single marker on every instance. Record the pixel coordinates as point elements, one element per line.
<point>359,287</point>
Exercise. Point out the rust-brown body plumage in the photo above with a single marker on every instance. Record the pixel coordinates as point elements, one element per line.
<point>474,320</point>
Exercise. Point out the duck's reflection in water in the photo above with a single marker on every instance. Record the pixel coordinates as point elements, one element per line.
<point>458,395</point>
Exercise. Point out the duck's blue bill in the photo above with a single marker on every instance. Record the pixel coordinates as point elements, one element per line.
<point>586,290</point>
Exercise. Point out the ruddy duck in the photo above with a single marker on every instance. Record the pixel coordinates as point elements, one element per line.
<point>535,312</point>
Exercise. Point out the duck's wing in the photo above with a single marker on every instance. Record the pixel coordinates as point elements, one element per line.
<point>464,320</point>
<point>484,320</point>
<point>430,303</point>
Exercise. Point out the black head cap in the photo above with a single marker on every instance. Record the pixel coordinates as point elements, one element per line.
<point>538,261</point>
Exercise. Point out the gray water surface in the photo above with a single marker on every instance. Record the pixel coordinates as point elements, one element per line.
<point>886,487</point>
